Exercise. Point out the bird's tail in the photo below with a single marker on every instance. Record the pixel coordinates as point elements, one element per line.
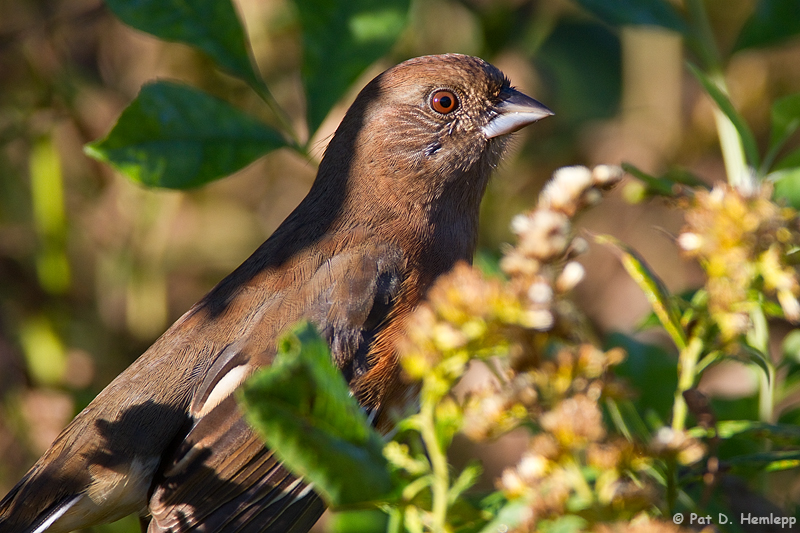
<point>15,518</point>
<point>21,512</point>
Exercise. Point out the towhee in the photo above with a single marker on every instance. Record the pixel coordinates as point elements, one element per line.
<point>394,205</point>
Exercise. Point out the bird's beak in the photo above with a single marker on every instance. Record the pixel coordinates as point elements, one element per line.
<point>515,111</point>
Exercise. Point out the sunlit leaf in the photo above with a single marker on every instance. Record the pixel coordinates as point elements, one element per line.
<point>210,25</point>
<point>772,22</point>
<point>303,409</point>
<point>178,137</point>
<point>653,288</point>
<point>724,104</point>
<point>340,40</point>
<point>727,429</point>
<point>636,13</point>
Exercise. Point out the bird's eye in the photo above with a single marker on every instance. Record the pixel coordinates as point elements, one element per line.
<point>444,101</point>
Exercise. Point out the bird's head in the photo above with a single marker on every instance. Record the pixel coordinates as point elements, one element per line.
<point>429,121</point>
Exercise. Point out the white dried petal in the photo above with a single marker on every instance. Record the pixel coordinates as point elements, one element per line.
<point>532,467</point>
<point>690,241</point>
<point>566,187</point>
<point>540,319</point>
<point>520,224</point>
<point>572,274</point>
<point>548,235</point>
<point>790,305</point>
<point>606,175</point>
<point>540,292</point>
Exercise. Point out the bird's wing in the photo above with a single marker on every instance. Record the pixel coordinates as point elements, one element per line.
<point>221,477</point>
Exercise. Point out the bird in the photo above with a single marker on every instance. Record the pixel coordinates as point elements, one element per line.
<point>394,205</point>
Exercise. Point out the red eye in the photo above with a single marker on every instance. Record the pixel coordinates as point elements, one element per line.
<point>444,101</point>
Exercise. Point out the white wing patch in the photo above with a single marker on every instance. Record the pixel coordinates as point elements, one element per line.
<point>225,387</point>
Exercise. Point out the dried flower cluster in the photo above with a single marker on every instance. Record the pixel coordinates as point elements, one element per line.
<point>573,466</point>
<point>544,379</point>
<point>743,243</point>
<point>468,315</point>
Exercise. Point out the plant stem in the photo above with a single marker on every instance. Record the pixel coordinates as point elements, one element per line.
<point>687,361</point>
<point>702,43</point>
<point>672,485</point>
<point>731,144</point>
<point>438,459</point>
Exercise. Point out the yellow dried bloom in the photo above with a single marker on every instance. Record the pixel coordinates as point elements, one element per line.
<point>574,422</point>
<point>742,241</point>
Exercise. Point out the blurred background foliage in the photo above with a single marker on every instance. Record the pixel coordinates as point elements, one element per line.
<point>94,267</point>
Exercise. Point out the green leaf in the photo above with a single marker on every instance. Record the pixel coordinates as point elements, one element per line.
<point>785,433</point>
<point>340,40</point>
<point>655,186</point>
<point>785,118</point>
<point>508,517</point>
<point>770,461</point>
<point>653,372</point>
<point>668,184</point>
<point>787,185</point>
<point>563,524</point>
<point>303,409</point>
<point>582,63</point>
<point>654,290</point>
<point>790,347</point>
<point>359,521</point>
<point>466,479</point>
<point>636,13</point>
<point>724,104</point>
<point>178,137</point>
<point>755,356</point>
<point>772,22</point>
<point>210,25</point>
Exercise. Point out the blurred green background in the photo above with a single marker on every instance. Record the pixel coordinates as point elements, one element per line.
<point>94,267</point>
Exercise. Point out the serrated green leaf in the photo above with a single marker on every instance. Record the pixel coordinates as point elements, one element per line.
<point>653,288</point>
<point>772,22</point>
<point>303,409</point>
<point>210,25</point>
<point>178,137</point>
<point>636,13</point>
<point>340,40</point>
<point>724,104</point>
